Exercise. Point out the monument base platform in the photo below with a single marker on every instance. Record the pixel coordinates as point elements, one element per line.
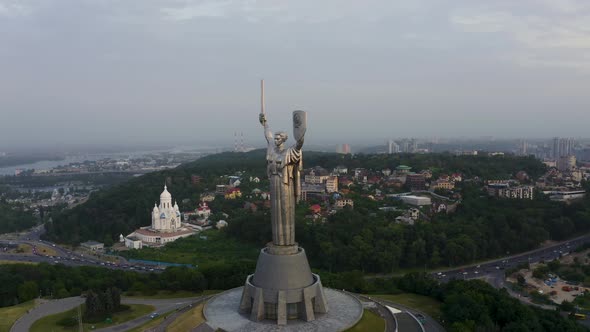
<point>221,312</point>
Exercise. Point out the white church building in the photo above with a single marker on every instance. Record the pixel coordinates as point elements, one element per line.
<point>166,225</point>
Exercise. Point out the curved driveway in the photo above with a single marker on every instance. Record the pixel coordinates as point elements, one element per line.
<point>24,323</point>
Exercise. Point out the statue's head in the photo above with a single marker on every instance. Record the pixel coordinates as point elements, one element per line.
<point>280,138</point>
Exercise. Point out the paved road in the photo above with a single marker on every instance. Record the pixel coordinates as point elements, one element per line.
<point>64,255</point>
<point>494,267</point>
<point>430,324</point>
<point>390,322</point>
<point>162,307</point>
<point>172,317</point>
<point>24,323</point>
<point>61,305</point>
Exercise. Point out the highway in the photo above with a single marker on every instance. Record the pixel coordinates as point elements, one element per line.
<point>64,256</point>
<point>493,270</point>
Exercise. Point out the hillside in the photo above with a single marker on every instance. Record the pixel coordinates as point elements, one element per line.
<point>125,207</point>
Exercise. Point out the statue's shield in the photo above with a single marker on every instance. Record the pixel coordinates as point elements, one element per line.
<point>299,124</point>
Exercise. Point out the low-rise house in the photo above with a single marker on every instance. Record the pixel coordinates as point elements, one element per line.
<point>233,193</point>
<point>207,197</point>
<point>404,220</point>
<point>316,208</point>
<point>133,242</point>
<point>339,170</point>
<point>442,184</point>
<point>341,203</point>
<point>250,207</point>
<point>203,211</point>
<point>220,189</point>
<point>92,245</point>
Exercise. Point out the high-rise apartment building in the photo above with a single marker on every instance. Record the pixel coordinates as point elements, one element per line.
<point>562,147</point>
<point>343,149</point>
<point>392,147</point>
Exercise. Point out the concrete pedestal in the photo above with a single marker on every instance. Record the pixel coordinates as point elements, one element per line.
<point>221,312</point>
<point>283,288</point>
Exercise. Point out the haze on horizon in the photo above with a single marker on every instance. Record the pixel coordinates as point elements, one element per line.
<point>137,71</point>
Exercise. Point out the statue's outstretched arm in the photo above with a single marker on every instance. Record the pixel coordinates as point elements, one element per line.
<point>267,132</point>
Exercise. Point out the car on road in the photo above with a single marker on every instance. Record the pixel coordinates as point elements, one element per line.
<point>154,315</point>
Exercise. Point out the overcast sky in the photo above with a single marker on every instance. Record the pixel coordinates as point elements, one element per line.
<point>106,71</point>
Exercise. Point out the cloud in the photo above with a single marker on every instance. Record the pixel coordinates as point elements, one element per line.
<point>194,10</point>
<point>10,8</point>
<point>288,11</point>
<point>554,33</point>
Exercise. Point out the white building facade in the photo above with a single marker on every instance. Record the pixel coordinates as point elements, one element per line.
<point>166,225</point>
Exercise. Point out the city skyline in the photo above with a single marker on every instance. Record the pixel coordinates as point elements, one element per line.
<point>167,71</point>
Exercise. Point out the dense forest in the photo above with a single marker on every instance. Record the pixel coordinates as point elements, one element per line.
<point>123,208</point>
<point>14,218</point>
<point>477,306</point>
<point>23,282</point>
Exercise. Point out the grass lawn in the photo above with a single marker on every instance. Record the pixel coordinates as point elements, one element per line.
<point>369,322</point>
<point>213,247</point>
<point>24,248</point>
<point>45,250</point>
<point>9,315</point>
<point>49,323</point>
<point>423,303</point>
<point>188,320</point>
<point>16,262</point>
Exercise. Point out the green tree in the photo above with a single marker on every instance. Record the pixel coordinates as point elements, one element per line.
<point>28,291</point>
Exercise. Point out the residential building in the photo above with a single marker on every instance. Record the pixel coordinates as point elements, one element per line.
<point>315,209</point>
<point>233,193</point>
<point>427,173</point>
<point>404,220</point>
<point>203,211</point>
<point>392,147</point>
<point>566,163</point>
<point>442,184</point>
<point>567,195</point>
<point>504,190</point>
<point>220,189</point>
<point>332,184</point>
<point>343,149</point>
<point>312,190</point>
<point>195,179</point>
<point>92,245</point>
<point>221,224</point>
<point>340,170</point>
<point>317,175</point>
<point>207,197</point>
<point>133,242</point>
<point>416,181</point>
<point>341,203</point>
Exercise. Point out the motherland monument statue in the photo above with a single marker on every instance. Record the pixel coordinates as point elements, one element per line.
<point>283,286</point>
